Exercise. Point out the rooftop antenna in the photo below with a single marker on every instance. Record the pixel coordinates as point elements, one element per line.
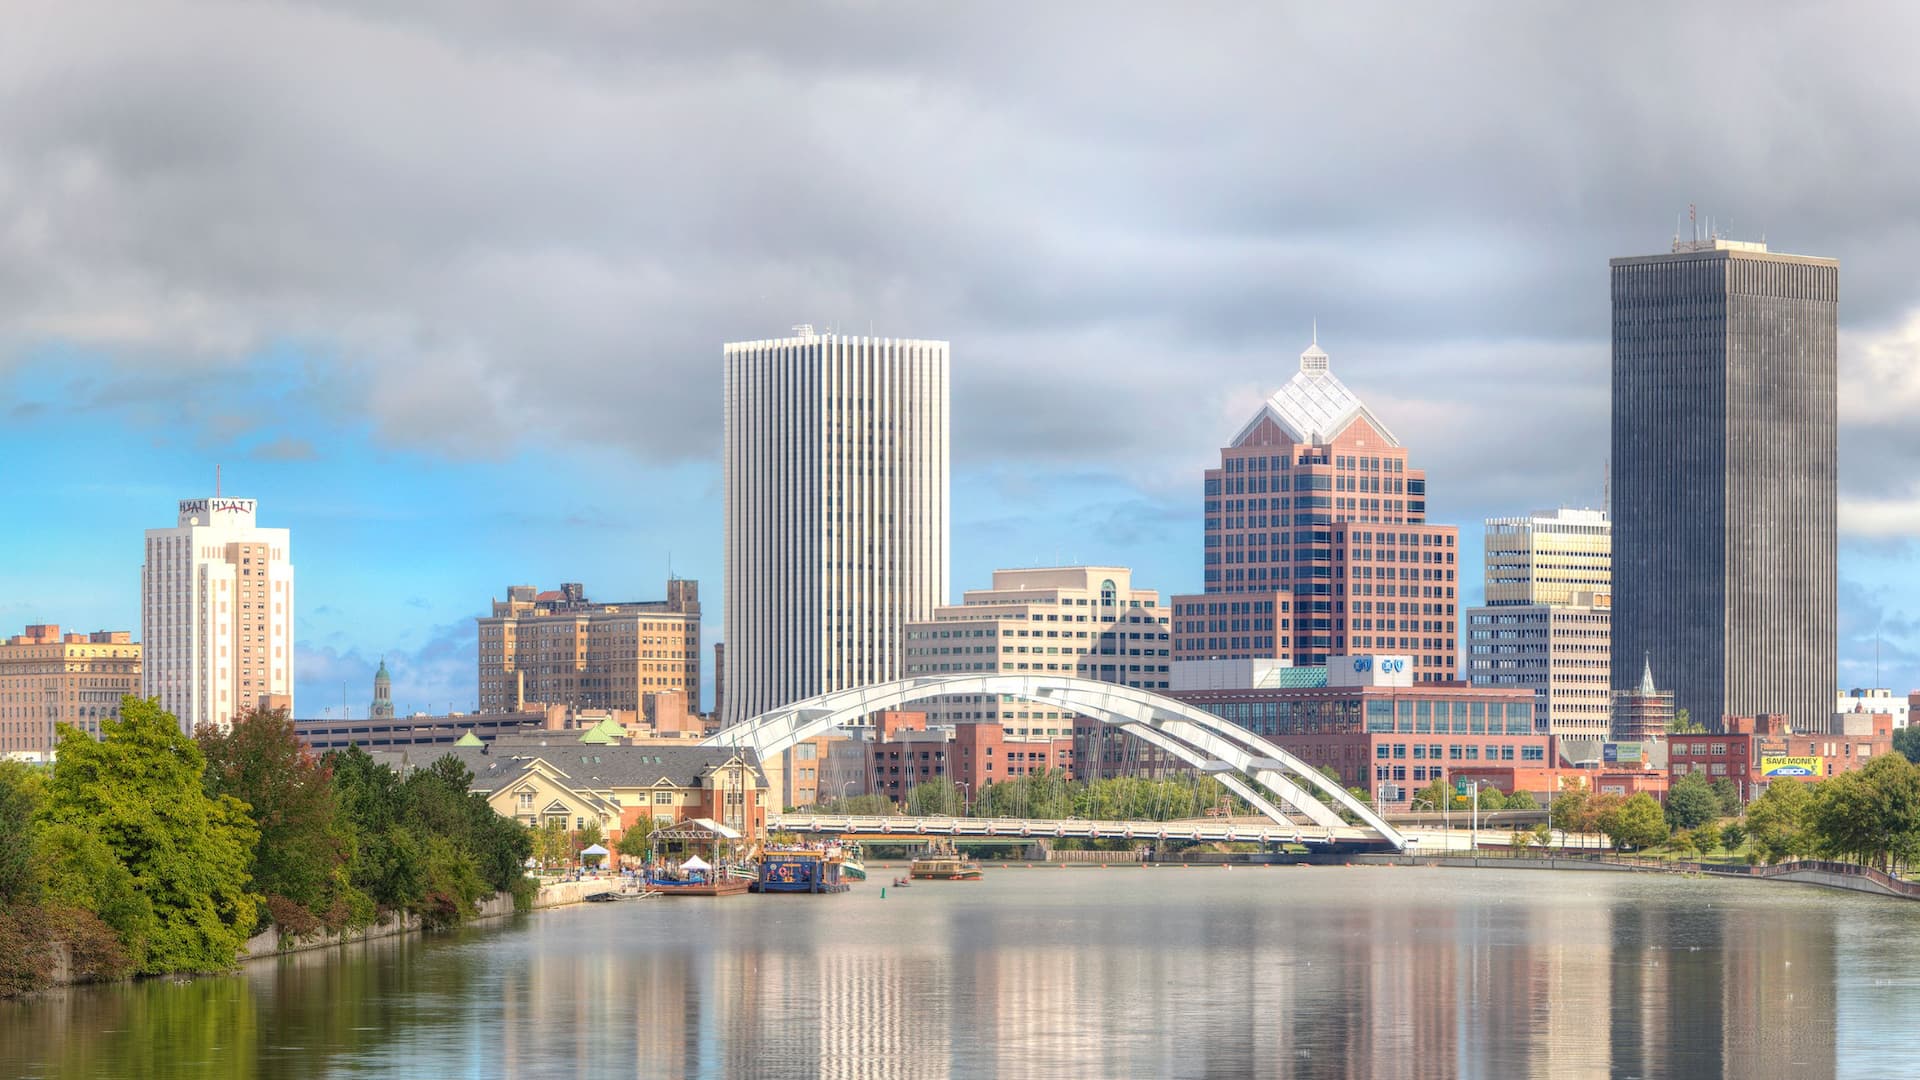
<point>216,481</point>
<point>1606,486</point>
<point>1693,223</point>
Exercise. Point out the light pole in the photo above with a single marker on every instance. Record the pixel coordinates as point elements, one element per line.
<point>1473,801</point>
<point>843,790</point>
<point>964,793</point>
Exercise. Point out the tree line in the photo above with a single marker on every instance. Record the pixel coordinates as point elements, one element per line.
<point>1049,794</point>
<point>148,852</point>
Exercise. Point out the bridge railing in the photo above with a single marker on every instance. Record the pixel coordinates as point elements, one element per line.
<point>1055,828</point>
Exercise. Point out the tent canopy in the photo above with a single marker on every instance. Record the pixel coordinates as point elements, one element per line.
<point>596,849</point>
<point>696,863</point>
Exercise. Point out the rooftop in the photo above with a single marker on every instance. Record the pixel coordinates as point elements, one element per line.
<point>1314,406</point>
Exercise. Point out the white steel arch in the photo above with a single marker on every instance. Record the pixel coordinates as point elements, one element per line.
<point>1224,750</point>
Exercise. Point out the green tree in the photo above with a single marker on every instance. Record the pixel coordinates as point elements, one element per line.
<point>139,789</point>
<point>1432,799</point>
<point>635,841</point>
<point>303,850</point>
<point>1568,812</point>
<point>1728,793</point>
<point>1870,815</point>
<point>1907,741</point>
<point>934,798</point>
<point>19,800</point>
<point>1682,724</point>
<point>1779,822</point>
<point>1733,835</point>
<point>859,806</point>
<point>1709,837</point>
<point>1691,802</point>
<point>589,836</point>
<point>1633,824</point>
<point>1521,800</point>
<point>1491,798</point>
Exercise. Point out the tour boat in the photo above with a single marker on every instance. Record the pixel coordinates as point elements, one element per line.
<point>947,867</point>
<point>852,862</point>
<point>800,870</point>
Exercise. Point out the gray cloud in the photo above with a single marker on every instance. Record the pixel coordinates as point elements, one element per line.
<point>499,223</point>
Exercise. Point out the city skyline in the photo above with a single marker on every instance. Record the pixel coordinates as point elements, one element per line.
<point>1117,302</point>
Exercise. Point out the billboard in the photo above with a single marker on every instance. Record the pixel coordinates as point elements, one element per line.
<point>1772,767</point>
<point>1620,753</point>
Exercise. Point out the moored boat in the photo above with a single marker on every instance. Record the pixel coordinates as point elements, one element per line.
<point>800,870</point>
<point>853,862</point>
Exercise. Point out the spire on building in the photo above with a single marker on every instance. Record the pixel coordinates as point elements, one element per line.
<point>382,707</point>
<point>1646,676</point>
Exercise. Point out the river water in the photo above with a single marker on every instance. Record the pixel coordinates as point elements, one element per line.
<point>1254,971</point>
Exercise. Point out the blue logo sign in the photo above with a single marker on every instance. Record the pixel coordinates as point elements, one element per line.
<point>1393,666</point>
<point>1363,663</point>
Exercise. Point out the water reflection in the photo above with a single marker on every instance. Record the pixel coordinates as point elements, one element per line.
<point>1285,973</point>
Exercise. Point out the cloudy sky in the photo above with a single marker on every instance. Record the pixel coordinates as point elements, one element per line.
<point>444,285</point>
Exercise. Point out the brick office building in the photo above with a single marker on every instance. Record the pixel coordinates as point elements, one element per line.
<point>1317,542</point>
<point>1754,751</point>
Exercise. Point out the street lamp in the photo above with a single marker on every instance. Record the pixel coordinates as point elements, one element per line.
<point>843,790</point>
<point>1473,801</point>
<point>964,793</point>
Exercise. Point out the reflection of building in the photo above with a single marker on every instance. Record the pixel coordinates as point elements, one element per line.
<point>835,505</point>
<point>1316,541</point>
<point>216,614</point>
<point>49,678</point>
<point>1643,713</point>
<point>382,707</point>
<point>1724,418</point>
<point>1546,622</point>
<point>1369,721</point>
<point>560,648</point>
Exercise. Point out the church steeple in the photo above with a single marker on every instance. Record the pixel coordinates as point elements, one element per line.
<point>382,707</point>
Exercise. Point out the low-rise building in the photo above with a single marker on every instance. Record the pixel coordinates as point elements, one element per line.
<point>1876,701</point>
<point>614,786</point>
<point>906,751</point>
<point>49,678</point>
<point>1367,719</point>
<point>1755,751</point>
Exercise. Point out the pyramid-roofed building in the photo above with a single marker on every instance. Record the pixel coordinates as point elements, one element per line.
<point>1313,498</point>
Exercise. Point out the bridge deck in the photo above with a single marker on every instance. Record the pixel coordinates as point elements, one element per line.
<point>1211,830</point>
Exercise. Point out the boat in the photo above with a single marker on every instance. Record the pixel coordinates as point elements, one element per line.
<point>612,895</point>
<point>901,883</point>
<point>945,866</point>
<point>853,862</point>
<point>800,869</point>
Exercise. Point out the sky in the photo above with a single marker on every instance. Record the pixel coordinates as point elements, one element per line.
<point>444,284</point>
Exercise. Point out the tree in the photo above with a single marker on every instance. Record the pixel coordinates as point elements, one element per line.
<point>1569,810</point>
<point>1632,824</point>
<point>636,840</point>
<point>1732,836</point>
<point>1778,822</point>
<point>1691,802</point>
<point>934,798</point>
<point>1728,793</point>
<point>589,836</point>
<point>1491,798</point>
<point>1709,837</point>
<point>303,849</point>
<point>1870,815</point>
<point>19,799</point>
<point>1682,724</point>
<point>1433,798</point>
<point>1907,741</point>
<point>860,806</point>
<point>139,789</point>
<point>1521,800</point>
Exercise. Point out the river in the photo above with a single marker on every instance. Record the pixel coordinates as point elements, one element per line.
<point>1282,971</point>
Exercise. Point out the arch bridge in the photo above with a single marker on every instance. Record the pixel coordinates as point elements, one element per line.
<point>1256,770</point>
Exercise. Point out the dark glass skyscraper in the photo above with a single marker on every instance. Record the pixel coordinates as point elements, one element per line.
<point>1724,402</point>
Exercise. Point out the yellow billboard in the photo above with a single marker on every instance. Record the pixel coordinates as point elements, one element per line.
<point>1771,767</point>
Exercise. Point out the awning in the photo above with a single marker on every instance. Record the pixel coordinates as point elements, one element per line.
<point>595,849</point>
<point>696,863</point>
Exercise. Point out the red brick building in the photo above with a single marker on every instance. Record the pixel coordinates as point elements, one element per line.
<point>1754,751</point>
<point>906,752</point>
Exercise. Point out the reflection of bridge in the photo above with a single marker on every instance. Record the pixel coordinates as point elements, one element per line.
<point>1261,773</point>
<point>1030,830</point>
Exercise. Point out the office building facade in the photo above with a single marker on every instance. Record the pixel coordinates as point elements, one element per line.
<point>216,613</point>
<point>1547,622</point>
<point>560,648</point>
<point>1316,540</point>
<point>1724,417</point>
<point>835,484</point>
<point>48,678</point>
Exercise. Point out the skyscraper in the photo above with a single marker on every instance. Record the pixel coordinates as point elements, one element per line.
<point>216,614</point>
<point>1724,416</point>
<point>835,484</point>
<point>1317,542</point>
<point>1545,625</point>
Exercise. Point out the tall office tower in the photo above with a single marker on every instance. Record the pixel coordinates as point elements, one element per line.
<point>835,483</point>
<point>1724,415</point>
<point>216,614</point>
<point>49,678</point>
<point>1317,540</point>
<point>1546,625</point>
<point>560,648</point>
